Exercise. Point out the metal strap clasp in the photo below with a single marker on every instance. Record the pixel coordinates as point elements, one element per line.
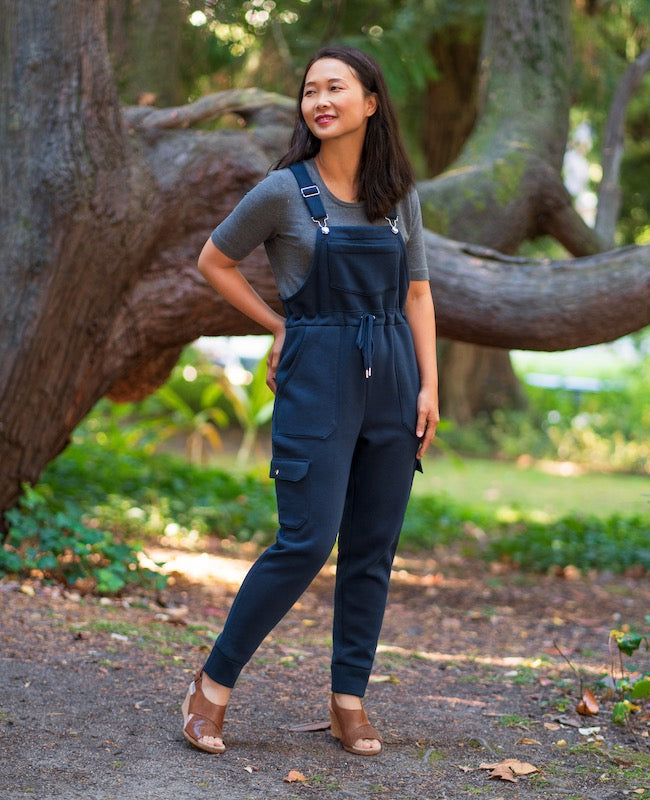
<point>322,224</point>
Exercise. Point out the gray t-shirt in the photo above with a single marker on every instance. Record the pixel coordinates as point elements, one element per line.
<point>274,213</point>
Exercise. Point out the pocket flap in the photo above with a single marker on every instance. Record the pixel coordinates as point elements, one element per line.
<point>289,469</point>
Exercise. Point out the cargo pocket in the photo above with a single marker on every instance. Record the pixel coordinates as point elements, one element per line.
<point>291,490</point>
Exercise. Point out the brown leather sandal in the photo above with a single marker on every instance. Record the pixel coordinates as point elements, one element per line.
<point>202,718</point>
<point>351,724</point>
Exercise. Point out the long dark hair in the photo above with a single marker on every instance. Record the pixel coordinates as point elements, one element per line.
<point>385,173</point>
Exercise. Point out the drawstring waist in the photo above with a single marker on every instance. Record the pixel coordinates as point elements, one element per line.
<point>364,341</point>
<point>364,322</point>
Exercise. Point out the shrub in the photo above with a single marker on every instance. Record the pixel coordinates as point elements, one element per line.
<point>57,544</point>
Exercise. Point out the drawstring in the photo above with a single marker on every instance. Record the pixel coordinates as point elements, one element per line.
<point>364,341</point>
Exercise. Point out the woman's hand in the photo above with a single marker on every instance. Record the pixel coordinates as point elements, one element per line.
<point>427,421</point>
<point>273,358</point>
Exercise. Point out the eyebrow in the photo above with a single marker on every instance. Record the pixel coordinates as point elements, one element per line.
<point>328,80</point>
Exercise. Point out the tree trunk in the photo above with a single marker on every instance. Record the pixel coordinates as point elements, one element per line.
<point>506,186</point>
<point>146,39</point>
<point>451,100</point>
<point>609,193</point>
<point>473,379</point>
<point>104,213</point>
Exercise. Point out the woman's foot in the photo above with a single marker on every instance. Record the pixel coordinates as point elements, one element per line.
<point>203,710</point>
<point>350,724</point>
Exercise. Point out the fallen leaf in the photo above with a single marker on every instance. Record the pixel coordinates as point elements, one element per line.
<point>295,777</point>
<point>251,770</point>
<point>526,740</point>
<point>552,726</point>
<point>307,727</point>
<point>588,706</point>
<point>561,743</point>
<point>383,679</point>
<point>509,769</point>
<point>589,731</point>
<point>502,773</point>
<point>464,769</point>
<point>572,722</point>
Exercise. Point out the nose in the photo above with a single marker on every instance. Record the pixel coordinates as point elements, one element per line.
<point>322,101</point>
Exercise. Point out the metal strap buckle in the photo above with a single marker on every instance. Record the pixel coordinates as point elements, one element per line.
<point>310,191</point>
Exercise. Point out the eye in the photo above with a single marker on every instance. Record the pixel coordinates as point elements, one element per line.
<point>307,92</point>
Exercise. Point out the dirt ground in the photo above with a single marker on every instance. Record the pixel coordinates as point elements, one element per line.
<point>468,673</point>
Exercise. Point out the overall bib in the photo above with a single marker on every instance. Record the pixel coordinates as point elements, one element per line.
<point>344,447</point>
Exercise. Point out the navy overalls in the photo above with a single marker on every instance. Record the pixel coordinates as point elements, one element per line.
<point>344,447</point>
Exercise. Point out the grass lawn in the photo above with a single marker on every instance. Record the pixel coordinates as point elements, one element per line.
<point>539,491</point>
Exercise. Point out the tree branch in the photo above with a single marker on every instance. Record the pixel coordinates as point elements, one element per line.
<point>609,194</point>
<point>211,106</point>
<point>483,297</point>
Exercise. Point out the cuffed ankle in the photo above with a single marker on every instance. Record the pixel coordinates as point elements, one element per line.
<point>222,669</point>
<point>349,680</point>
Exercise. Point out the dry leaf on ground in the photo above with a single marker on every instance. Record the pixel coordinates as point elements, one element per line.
<point>295,777</point>
<point>588,706</point>
<point>509,769</point>
<point>307,727</point>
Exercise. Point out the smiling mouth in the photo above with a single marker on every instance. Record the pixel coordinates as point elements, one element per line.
<point>323,119</point>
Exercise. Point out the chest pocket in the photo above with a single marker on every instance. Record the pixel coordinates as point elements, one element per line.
<point>364,269</point>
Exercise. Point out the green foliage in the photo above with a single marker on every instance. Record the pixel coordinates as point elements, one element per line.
<point>252,405</point>
<point>616,544</point>
<point>633,690</point>
<point>162,495</point>
<point>56,542</point>
<point>607,430</point>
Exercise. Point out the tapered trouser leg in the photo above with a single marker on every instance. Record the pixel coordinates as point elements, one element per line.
<point>309,508</point>
<point>378,491</point>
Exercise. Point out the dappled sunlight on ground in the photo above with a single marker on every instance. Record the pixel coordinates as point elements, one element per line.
<point>205,568</point>
<point>209,568</point>
<point>490,660</point>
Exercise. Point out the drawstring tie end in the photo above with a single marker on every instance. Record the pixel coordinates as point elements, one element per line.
<point>364,342</point>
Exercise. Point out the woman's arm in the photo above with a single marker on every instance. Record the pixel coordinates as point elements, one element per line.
<point>221,273</point>
<point>422,321</point>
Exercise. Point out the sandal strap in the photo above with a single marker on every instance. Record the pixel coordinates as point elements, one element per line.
<point>354,724</point>
<point>203,709</point>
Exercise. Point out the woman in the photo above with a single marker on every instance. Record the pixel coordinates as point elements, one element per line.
<point>353,367</point>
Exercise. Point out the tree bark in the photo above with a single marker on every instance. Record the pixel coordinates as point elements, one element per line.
<point>101,222</point>
<point>506,185</point>
<point>146,39</point>
<point>609,192</point>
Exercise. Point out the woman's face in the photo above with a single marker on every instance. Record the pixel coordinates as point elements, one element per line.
<point>334,102</point>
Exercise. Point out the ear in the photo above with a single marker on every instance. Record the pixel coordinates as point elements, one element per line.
<point>371,104</point>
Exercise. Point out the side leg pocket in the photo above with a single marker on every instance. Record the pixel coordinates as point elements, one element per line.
<point>291,477</point>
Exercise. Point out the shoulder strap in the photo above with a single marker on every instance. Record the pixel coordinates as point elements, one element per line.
<point>309,191</point>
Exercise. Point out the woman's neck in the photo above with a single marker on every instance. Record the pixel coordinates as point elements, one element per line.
<point>339,170</point>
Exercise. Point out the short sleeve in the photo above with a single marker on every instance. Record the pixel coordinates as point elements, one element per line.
<point>417,259</point>
<point>254,220</point>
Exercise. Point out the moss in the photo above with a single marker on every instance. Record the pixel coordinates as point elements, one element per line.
<point>508,173</point>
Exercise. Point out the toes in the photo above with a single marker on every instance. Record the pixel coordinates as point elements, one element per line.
<point>211,741</point>
<point>367,744</point>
